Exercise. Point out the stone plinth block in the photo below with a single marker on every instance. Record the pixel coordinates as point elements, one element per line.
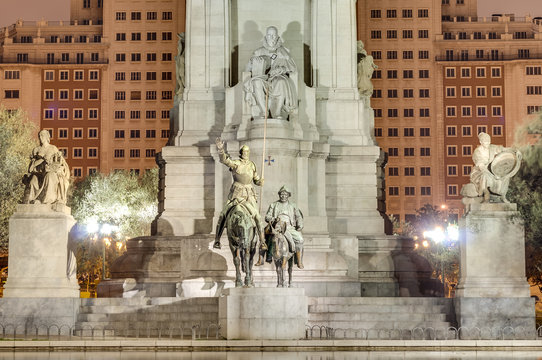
<point>492,253</point>
<point>40,265</point>
<point>489,318</point>
<point>263,313</point>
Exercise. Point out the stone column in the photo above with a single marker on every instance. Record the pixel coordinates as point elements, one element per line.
<point>40,263</point>
<point>493,291</point>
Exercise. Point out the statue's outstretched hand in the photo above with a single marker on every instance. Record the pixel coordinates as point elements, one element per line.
<point>219,144</point>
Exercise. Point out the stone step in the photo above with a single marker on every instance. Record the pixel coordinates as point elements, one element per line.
<point>390,324</point>
<point>379,301</point>
<point>118,309</point>
<point>142,317</point>
<point>367,308</point>
<point>147,301</point>
<point>328,317</point>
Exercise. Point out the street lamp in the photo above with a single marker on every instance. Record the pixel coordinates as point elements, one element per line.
<point>441,236</point>
<point>104,230</point>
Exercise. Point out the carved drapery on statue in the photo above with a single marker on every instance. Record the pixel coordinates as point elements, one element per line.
<point>494,165</point>
<point>366,67</point>
<point>270,67</point>
<point>179,67</point>
<point>48,174</point>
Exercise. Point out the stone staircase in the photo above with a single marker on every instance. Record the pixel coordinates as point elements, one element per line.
<point>381,313</point>
<point>146,317</point>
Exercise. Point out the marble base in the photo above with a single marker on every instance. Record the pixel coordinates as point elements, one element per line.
<point>492,253</point>
<point>41,313</point>
<point>39,254</point>
<point>487,318</point>
<point>263,313</point>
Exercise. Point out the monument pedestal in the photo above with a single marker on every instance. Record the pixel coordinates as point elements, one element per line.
<point>39,258</point>
<point>263,313</point>
<point>493,291</point>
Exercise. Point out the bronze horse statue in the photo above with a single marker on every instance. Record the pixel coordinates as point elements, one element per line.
<point>241,230</point>
<point>280,252</point>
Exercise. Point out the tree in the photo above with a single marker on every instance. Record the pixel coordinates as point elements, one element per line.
<point>125,202</point>
<point>526,191</point>
<point>17,139</point>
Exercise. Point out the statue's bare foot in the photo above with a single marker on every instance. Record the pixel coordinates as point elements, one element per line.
<point>217,245</point>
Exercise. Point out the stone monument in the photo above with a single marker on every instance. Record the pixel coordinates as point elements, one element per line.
<point>493,291</point>
<point>42,281</point>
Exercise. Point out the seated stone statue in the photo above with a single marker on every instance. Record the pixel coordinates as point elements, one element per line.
<point>270,67</point>
<point>48,174</point>
<point>494,165</point>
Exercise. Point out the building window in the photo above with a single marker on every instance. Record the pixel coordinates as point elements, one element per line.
<point>92,133</point>
<point>466,130</point>
<point>136,36</point>
<point>480,72</point>
<point>376,14</point>
<point>377,55</point>
<point>480,91</point>
<point>452,170</point>
<point>425,132</point>
<point>151,56</point>
<point>496,110</point>
<point>120,16</point>
<point>393,152</point>
<point>450,111</point>
<point>119,114</point>
<point>48,95</point>
<point>391,55</point>
<point>377,113</point>
<point>167,15</point>
<point>377,74</point>
<point>496,91</point>
<point>408,55</point>
<point>465,91</point>
<point>120,57</point>
<point>118,153</point>
<point>408,93</point>
<point>377,94</point>
<point>424,93</point>
<point>393,191</point>
<point>466,111</point>
<point>465,72</point>
<point>409,171</point>
<point>497,130</point>
<point>376,34</point>
<point>534,90</point>
<point>134,153</point>
<point>467,170</point>
<point>479,54</point>
<point>450,91</point>
<point>391,34</point>
<point>166,75</point>
<point>408,151</point>
<point>78,94</point>
<point>93,94</point>
<point>151,36</point>
<point>425,171</point>
<point>120,76</point>
<point>150,134</point>
<point>48,114</point>
<point>63,114</point>
<point>424,112</point>
<point>392,93</point>
<point>466,150</point>
<point>378,132</point>
<point>408,74</point>
<point>408,113</point>
<point>77,172</point>
<point>78,114</point>
<point>164,134</point>
<point>150,95</point>
<point>15,74</point>
<point>120,37</point>
<point>62,133</point>
<point>152,15</point>
<point>22,58</point>
<point>93,114</point>
<point>523,53</point>
<point>423,13</point>
<point>86,4</point>
<point>407,34</point>
<point>78,75</point>
<point>423,34</point>
<point>136,57</point>
<point>423,74</point>
<point>165,114</point>
<point>452,190</point>
<point>393,113</point>
<point>11,94</point>
<point>410,190</point>
<point>135,76</point>
<point>167,95</point>
<point>77,153</point>
<point>135,114</point>
<point>451,131</point>
<point>135,95</point>
<point>450,73</point>
<point>481,110</point>
<point>136,15</point>
<point>425,190</point>
<point>167,36</point>
<point>120,95</point>
<point>408,132</point>
<point>150,153</point>
<point>93,74</point>
<point>496,72</point>
<point>150,114</point>
<point>393,171</point>
<point>481,129</point>
<point>77,133</point>
<point>423,54</point>
<point>135,134</point>
<point>451,150</point>
<point>393,132</point>
<point>407,13</point>
<point>425,151</point>
<point>391,13</point>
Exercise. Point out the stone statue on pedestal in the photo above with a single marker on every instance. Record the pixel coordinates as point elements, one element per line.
<point>494,165</point>
<point>366,67</point>
<point>270,86</point>
<point>48,174</point>
<point>241,192</point>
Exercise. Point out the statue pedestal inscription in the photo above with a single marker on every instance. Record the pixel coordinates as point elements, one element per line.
<point>493,291</point>
<point>40,265</point>
<point>263,313</point>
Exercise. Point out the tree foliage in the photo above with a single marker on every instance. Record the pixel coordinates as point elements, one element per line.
<point>526,191</point>
<point>120,199</point>
<point>17,139</point>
